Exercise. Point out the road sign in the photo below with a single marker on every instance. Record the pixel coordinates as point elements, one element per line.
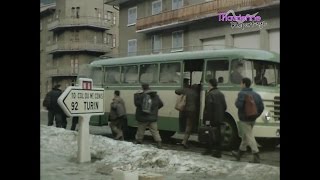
<point>83,101</point>
<point>76,101</point>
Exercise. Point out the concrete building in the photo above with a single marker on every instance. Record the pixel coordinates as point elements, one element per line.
<point>162,26</point>
<point>72,34</point>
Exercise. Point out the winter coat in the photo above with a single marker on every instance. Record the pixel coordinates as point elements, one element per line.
<point>191,98</point>
<point>117,108</point>
<point>54,95</point>
<point>240,103</point>
<point>215,107</point>
<point>155,106</point>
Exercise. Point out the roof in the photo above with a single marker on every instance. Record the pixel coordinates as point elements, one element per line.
<point>45,7</point>
<point>205,54</point>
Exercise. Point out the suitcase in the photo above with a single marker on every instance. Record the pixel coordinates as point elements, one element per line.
<point>207,132</point>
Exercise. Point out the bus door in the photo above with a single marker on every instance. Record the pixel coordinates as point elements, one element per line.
<point>193,70</point>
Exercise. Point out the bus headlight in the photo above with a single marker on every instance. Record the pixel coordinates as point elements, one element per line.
<point>267,116</point>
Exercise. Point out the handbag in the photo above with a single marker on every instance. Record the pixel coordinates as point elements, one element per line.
<point>205,133</point>
<point>181,102</point>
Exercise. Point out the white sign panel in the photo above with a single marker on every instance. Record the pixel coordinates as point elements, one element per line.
<point>76,101</point>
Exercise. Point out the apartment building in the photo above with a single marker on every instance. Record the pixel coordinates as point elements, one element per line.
<point>72,34</point>
<point>166,26</point>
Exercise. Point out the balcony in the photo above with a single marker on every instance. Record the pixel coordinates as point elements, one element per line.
<point>77,46</point>
<point>55,72</point>
<point>92,22</point>
<point>189,14</point>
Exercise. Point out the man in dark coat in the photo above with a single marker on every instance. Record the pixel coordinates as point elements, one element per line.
<point>214,110</point>
<point>247,124</point>
<point>54,110</point>
<point>147,119</point>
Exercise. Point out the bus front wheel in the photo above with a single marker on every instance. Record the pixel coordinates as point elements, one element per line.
<point>230,136</point>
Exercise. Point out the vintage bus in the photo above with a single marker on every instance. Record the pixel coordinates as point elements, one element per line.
<point>165,73</point>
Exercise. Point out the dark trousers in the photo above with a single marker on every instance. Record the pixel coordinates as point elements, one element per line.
<point>218,144</point>
<point>75,121</point>
<point>50,117</point>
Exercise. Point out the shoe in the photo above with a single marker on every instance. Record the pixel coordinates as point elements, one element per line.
<point>119,138</point>
<point>185,146</point>
<point>137,142</point>
<point>159,145</point>
<point>207,152</point>
<point>216,154</point>
<point>237,154</point>
<point>256,158</point>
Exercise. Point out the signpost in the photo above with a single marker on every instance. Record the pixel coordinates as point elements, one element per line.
<point>83,101</point>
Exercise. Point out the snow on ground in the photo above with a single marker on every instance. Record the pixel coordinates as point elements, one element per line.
<point>59,152</point>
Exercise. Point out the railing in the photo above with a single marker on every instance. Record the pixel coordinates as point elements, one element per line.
<point>51,72</point>
<point>81,21</point>
<point>197,11</point>
<point>78,46</point>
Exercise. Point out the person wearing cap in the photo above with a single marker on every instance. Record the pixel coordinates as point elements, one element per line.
<point>147,120</point>
<point>214,110</point>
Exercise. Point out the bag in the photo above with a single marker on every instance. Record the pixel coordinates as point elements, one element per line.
<point>181,102</point>
<point>207,132</point>
<point>47,101</point>
<point>146,103</point>
<point>250,107</point>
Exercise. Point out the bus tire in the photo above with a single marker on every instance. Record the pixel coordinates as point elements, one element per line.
<point>230,135</point>
<point>166,135</point>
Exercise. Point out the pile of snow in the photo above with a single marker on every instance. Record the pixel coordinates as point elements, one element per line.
<point>128,156</point>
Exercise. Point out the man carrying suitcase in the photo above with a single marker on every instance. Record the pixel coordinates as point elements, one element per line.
<point>215,107</point>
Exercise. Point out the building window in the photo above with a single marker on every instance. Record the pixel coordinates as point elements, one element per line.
<point>108,38</point>
<point>78,12</point>
<point>74,64</point>
<point>109,15</point>
<point>156,43</point>
<point>156,7</point>
<point>73,12</point>
<point>176,4</point>
<point>95,39</point>
<point>114,41</point>
<point>132,47</point>
<point>114,19</point>
<point>177,41</point>
<point>132,16</point>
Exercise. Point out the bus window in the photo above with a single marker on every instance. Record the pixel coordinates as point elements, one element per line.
<point>264,73</point>
<point>240,69</point>
<point>96,75</point>
<point>129,74</point>
<point>170,73</point>
<point>112,75</point>
<point>149,73</point>
<point>218,69</point>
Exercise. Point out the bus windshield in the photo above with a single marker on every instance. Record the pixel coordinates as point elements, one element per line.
<point>94,73</point>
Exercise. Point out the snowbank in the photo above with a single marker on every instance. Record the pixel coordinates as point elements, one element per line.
<point>128,156</point>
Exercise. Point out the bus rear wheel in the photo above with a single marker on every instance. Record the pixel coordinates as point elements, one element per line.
<point>230,136</point>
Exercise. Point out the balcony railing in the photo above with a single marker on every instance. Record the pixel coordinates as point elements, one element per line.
<point>77,46</point>
<point>196,12</point>
<point>53,72</point>
<point>79,22</point>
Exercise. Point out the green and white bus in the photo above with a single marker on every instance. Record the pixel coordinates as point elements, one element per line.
<point>165,73</point>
